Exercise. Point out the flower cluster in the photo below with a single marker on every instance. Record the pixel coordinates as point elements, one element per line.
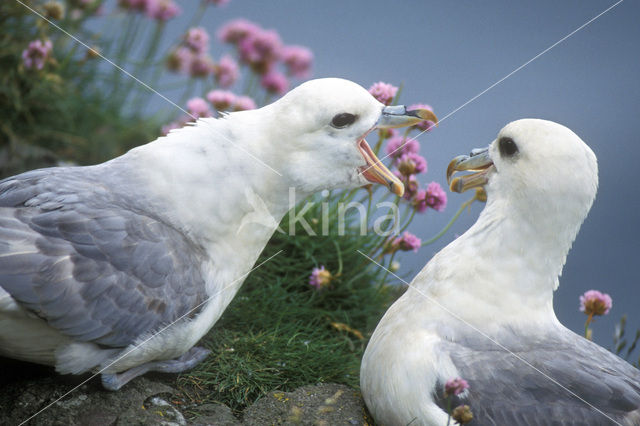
<point>383,92</point>
<point>594,302</point>
<point>220,100</point>
<point>191,56</point>
<point>261,50</point>
<point>406,242</point>
<point>36,54</point>
<point>160,10</point>
<point>455,386</point>
<point>320,278</point>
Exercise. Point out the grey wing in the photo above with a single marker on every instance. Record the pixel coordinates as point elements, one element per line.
<point>503,390</point>
<point>88,260</point>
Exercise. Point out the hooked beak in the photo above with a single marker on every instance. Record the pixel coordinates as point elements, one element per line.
<point>399,116</point>
<point>390,116</point>
<point>376,172</point>
<point>479,161</point>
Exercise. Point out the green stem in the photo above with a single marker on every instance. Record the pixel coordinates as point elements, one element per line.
<point>586,326</point>
<point>151,53</point>
<point>413,213</point>
<point>451,222</point>
<point>335,243</point>
<point>386,271</point>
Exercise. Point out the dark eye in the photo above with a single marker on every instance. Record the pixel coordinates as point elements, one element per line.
<point>508,147</point>
<point>343,120</point>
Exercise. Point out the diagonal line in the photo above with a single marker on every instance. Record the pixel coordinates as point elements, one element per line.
<point>453,314</point>
<point>503,78</point>
<point>146,86</point>
<point>154,335</point>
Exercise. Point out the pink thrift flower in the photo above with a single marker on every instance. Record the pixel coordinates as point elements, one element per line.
<point>397,146</point>
<point>388,133</point>
<point>244,103</point>
<point>595,303</point>
<point>201,66</point>
<point>411,163</point>
<point>197,39</point>
<point>436,197</point>
<point>411,186</point>
<point>275,82</point>
<point>169,127</point>
<point>406,242</point>
<point>383,92</point>
<point>226,71</point>
<point>36,54</point>
<point>198,107</point>
<point>298,60</point>
<point>221,100</point>
<point>426,124</point>
<point>320,277</point>
<point>161,10</point>
<point>455,386</point>
<point>179,60</point>
<point>237,30</point>
<point>260,49</point>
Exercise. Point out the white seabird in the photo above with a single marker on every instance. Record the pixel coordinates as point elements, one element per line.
<point>494,284</point>
<point>96,260</point>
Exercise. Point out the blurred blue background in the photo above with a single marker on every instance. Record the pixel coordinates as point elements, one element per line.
<point>444,53</point>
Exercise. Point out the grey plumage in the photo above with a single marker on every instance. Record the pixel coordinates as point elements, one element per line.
<point>80,248</point>
<point>503,390</point>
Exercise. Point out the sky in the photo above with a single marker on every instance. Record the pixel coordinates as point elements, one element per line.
<point>446,53</point>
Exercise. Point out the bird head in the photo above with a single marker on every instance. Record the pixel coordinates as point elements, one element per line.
<point>533,166</point>
<point>325,125</point>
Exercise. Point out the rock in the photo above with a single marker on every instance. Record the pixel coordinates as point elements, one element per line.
<point>323,404</point>
<point>141,402</point>
<point>214,414</point>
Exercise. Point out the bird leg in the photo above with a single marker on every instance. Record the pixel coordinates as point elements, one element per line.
<point>188,360</point>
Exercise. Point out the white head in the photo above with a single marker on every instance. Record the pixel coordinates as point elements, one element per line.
<point>538,173</point>
<point>324,123</point>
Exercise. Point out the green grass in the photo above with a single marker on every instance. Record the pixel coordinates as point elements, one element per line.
<point>278,334</point>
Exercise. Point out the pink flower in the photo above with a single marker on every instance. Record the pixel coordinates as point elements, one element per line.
<point>383,92</point>
<point>275,82</point>
<point>201,66</point>
<point>179,60</point>
<point>260,49</point>
<point>169,127</point>
<point>36,54</point>
<point>221,100</point>
<point>434,197</point>
<point>411,163</point>
<point>226,71</point>
<point>298,60</point>
<point>161,10</point>
<point>197,40</point>
<point>320,278</point>
<point>455,386</point>
<point>426,124</point>
<point>397,146</point>
<point>237,30</point>
<point>388,133</point>
<point>406,242</point>
<point>411,185</point>
<point>244,103</point>
<point>198,107</point>
<point>595,303</point>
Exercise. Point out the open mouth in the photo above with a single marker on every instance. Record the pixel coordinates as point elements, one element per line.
<point>376,172</point>
<point>478,162</point>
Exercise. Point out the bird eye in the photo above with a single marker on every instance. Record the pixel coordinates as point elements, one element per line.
<point>508,147</point>
<point>343,120</point>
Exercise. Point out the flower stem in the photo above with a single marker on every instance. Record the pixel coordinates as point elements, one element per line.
<point>586,326</point>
